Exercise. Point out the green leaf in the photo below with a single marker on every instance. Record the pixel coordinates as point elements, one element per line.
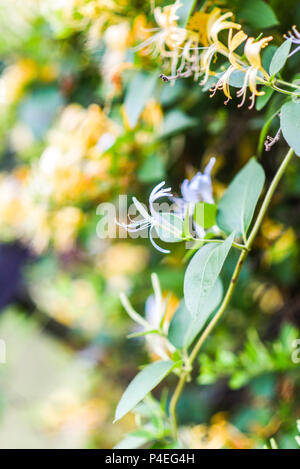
<point>140,89</point>
<point>179,325</point>
<point>153,169</point>
<point>258,14</point>
<point>141,385</point>
<point>267,55</point>
<point>237,205</point>
<point>280,57</point>
<point>212,302</point>
<point>175,122</point>
<point>261,101</point>
<point>205,214</point>
<point>185,11</point>
<point>290,124</point>
<point>202,273</point>
<point>184,328</point>
<point>237,79</point>
<point>39,109</point>
<point>172,230</point>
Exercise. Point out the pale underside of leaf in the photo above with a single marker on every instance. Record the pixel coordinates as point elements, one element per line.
<point>141,385</point>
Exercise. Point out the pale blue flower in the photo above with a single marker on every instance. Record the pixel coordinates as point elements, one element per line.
<point>294,37</point>
<point>198,189</point>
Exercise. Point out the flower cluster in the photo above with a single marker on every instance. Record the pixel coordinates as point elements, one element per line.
<point>167,223</point>
<point>183,46</point>
<point>42,201</point>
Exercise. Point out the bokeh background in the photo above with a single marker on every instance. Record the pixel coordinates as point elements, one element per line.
<point>83,119</point>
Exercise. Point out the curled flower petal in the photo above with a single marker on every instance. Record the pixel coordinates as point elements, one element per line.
<point>233,43</point>
<point>252,51</point>
<point>141,209</point>
<point>154,244</point>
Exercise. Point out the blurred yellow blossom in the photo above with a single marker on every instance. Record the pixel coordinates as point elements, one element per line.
<point>122,258</point>
<point>116,38</point>
<point>172,35</point>
<point>153,113</point>
<point>70,301</point>
<point>282,248</point>
<point>168,37</point>
<point>198,22</point>
<point>221,434</point>
<point>15,78</point>
<point>66,409</point>
<point>269,297</point>
<point>66,223</point>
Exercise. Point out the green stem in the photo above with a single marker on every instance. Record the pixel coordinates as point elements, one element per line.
<point>280,90</point>
<point>173,404</point>
<point>222,308</point>
<point>286,83</point>
<point>230,290</point>
<point>241,247</point>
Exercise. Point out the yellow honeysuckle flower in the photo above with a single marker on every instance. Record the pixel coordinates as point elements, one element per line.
<point>169,36</point>
<point>223,84</point>
<point>215,25</point>
<point>233,43</point>
<point>198,23</point>
<point>219,25</point>
<point>169,33</point>
<point>252,51</point>
<point>167,18</point>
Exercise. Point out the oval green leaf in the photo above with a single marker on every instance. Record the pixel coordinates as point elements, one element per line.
<point>280,57</point>
<point>184,328</point>
<point>140,89</point>
<point>202,274</point>
<point>184,12</point>
<point>176,122</point>
<point>209,306</point>
<point>141,385</point>
<point>179,325</point>
<point>258,14</point>
<point>262,100</point>
<point>237,206</point>
<point>290,124</point>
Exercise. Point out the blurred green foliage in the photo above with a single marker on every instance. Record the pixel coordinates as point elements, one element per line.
<point>69,76</point>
